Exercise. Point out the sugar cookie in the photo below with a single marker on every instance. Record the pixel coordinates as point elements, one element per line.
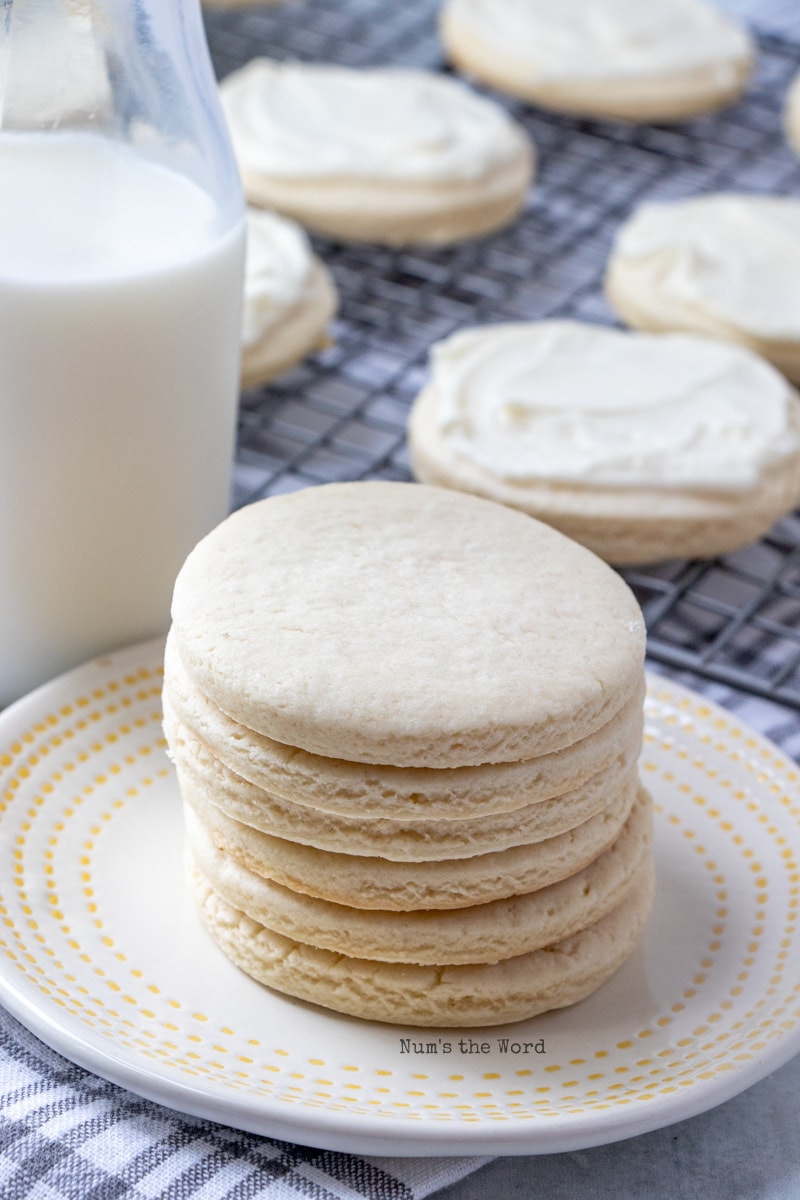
<point>391,155</point>
<point>666,60</point>
<point>475,933</point>
<point>295,618</point>
<point>723,264</point>
<point>454,996</point>
<point>403,837</point>
<point>436,704</point>
<point>640,446</point>
<point>369,881</point>
<point>289,298</point>
<point>361,790</point>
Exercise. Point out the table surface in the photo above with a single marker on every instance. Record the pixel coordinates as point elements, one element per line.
<point>746,1149</point>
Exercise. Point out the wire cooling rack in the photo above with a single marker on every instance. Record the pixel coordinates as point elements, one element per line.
<point>342,414</point>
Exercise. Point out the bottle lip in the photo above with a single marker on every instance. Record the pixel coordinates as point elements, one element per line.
<point>135,71</point>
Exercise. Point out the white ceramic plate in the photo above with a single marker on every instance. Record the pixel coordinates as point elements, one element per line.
<point>102,957</point>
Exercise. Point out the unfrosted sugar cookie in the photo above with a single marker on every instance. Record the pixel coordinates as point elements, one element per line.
<point>660,60</point>
<point>390,155</point>
<point>640,446</point>
<point>399,886</point>
<point>724,264</point>
<point>289,298</point>
<point>363,791</point>
<point>466,934</point>
<point>465,995</point>
<point>435,704</point>
<point>403,836</point>
<point>346,620</point>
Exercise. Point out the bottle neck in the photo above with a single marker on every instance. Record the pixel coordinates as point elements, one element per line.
<point>135,71</point>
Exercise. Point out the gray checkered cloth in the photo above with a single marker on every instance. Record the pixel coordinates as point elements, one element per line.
<point>67,1135</point>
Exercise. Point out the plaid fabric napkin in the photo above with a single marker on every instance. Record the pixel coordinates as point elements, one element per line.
<point>67,1135</point>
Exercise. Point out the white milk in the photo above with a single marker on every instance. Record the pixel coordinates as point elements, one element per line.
<point>120,310</point>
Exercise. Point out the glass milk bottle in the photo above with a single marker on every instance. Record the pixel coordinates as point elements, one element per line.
<point>121,279</point>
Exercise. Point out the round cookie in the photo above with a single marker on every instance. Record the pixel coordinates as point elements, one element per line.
<point>388,155</point>
<point>289,298</point>
<point>473,995</point>
<point>406,625</point>
<point>477,933</point>
<point>366,881</point>
<point>667,60</point>
<point>723,264</point>
<point>362,790</point>
<point>640,446</point>
<point>204,779</point>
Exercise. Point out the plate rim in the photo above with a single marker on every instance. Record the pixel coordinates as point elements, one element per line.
<point>364,1133</point>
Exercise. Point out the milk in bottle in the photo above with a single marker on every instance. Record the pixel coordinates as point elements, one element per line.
<point>121,268</point>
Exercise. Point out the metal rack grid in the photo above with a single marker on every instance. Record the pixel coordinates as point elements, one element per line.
<point>341,415</point>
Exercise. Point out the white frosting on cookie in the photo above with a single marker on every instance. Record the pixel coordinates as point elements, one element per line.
<point>562,402</point>
<point>277,271</point>
<point>597,39</point>
<point>300,120</point>
<point>54,69</point>
<point>735,256</point>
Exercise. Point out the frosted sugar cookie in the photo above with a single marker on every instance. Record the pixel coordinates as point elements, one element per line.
<point>665,60</point>
<point>640,446</point>
<point>399,993</point>
<point>289,298</point>
<point>388,155</point>
<point>350,621</point>
<point>724,264</point>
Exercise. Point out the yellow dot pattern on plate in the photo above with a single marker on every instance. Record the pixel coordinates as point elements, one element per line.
<point>712,777</point>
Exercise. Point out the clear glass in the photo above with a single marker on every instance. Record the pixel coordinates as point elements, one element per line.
<point>121,281</point>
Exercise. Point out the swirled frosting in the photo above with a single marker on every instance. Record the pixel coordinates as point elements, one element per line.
<point>299,120</point>
<point>736,256</point>
<point>567,403</point>
<point>277,268</point>
<point>596,39</point>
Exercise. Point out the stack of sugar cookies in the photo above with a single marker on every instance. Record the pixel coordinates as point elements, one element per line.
<point>406,725</point>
